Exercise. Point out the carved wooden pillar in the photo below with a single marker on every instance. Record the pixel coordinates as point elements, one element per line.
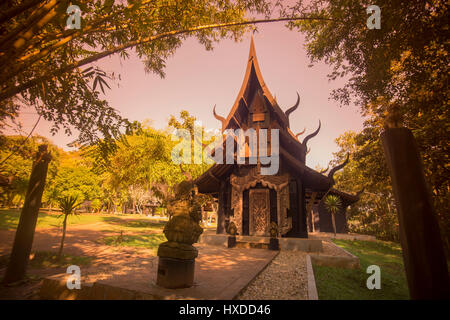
<point>236,206</point>
<point>302,227</point>
<point>293,207</point>
<point>221,210</point>
<point>283,197</point>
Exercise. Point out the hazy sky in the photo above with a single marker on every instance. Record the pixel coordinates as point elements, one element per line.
<point>197,79</point>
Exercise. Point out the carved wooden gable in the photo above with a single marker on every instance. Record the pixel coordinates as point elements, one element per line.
<point>259,113</point>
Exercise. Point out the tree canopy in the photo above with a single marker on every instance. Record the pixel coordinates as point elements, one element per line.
<point>405,66</point>
<point>52,68</point>
<point>139,170</point>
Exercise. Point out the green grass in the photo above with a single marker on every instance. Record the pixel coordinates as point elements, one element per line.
<point>137,232</point>
<point>135,225</point>
<point>46,259</point>
<point>338,284</point>
<point>149,241</point>
<point>9,219</point>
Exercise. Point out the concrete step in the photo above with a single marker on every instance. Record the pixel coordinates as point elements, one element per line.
<point>292,244</point>
<point>252,245</point>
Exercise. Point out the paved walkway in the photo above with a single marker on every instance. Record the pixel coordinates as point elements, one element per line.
<point>220,273</point>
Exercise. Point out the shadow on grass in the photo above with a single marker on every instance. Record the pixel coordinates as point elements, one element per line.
<point>149,241</point>
<point>47,259</point>
<point>9,219</point>
<point>137,223</point>
<point>337,283</point>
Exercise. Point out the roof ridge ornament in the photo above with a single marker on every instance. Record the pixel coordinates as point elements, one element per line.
<point>220,118</point>
<point>325,170</point>
<point>312,135</point>
<point>300,133</point>
<point>338,167</point>
<point>293,108</point>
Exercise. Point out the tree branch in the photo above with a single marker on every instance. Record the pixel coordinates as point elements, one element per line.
<point>15,11</point>
<point>13,90</point>
<point>16,35</point>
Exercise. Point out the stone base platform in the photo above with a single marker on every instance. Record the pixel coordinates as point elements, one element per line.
<point>220,273</point>
<point>293,244</point>
<point>343,236</point>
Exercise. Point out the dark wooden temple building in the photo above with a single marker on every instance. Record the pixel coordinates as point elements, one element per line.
<point>252,200</point>
<point>319,219</point>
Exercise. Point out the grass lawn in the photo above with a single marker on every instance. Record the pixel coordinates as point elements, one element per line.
<point>137,232</point>
<point>46,259</point>
<point>136,225</point>
<point>9,219</point>
<point>340,284</point>
<point>149,241</point>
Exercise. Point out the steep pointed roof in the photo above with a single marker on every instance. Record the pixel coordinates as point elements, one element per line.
<point>254,89</point>
<point>253,77</point>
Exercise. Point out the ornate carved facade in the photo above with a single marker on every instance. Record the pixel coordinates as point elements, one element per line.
<point>259,207</point>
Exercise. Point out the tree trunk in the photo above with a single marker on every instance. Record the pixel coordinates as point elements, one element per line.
<point>312,221</point>
<point>334,223</point>
<point>63,237</point>
<point>423,252</point>
<point>23,240</point>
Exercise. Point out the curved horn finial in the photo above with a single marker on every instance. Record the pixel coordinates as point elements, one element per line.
<point>220,118</point>
<point>293,108</point>
<point>312,135</point>
<point>323,171</point>
<point>300,133</point>
<point>338,167</point>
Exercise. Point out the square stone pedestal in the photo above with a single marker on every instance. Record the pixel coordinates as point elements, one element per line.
<point>175,273</point>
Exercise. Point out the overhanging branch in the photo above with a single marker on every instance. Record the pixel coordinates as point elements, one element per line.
<point>9,92</point>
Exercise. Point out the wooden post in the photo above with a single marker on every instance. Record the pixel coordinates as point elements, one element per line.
<point>23,240</point>
<point>423,253</point>
<point>303,227</point>
<point>221,211</point>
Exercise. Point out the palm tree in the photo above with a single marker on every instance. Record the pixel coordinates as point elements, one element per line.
<point>333,204</point>
<point>67,205</point>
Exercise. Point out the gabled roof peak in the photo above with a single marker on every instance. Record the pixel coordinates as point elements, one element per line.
<point>252,64</point>
<point>252,52</point>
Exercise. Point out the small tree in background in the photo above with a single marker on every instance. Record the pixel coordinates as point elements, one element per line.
<point>96,204</point>
<point>67,205</point>
<point>333,204</point>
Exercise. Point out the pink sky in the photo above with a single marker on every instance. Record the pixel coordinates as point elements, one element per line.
<point>197,79</point>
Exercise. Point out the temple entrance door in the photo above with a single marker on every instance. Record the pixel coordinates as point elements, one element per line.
<point>259,211</point>
<point>273,207</point>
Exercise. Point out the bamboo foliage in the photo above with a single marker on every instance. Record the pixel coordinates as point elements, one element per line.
<point>39,54</point>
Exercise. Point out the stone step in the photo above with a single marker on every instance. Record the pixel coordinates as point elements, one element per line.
<point>292,244</point>
<point>252,245</point>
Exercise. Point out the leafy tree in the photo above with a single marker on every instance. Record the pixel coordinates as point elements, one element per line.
<point>67,204</point>
<point>52,68</point>
<point>16,158</point>
<point>333,204</point>
<point>142,168</point>
<point>374,213</point>
<point>96,205</point>
<point>77,181</point>
<point>404,65</point>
